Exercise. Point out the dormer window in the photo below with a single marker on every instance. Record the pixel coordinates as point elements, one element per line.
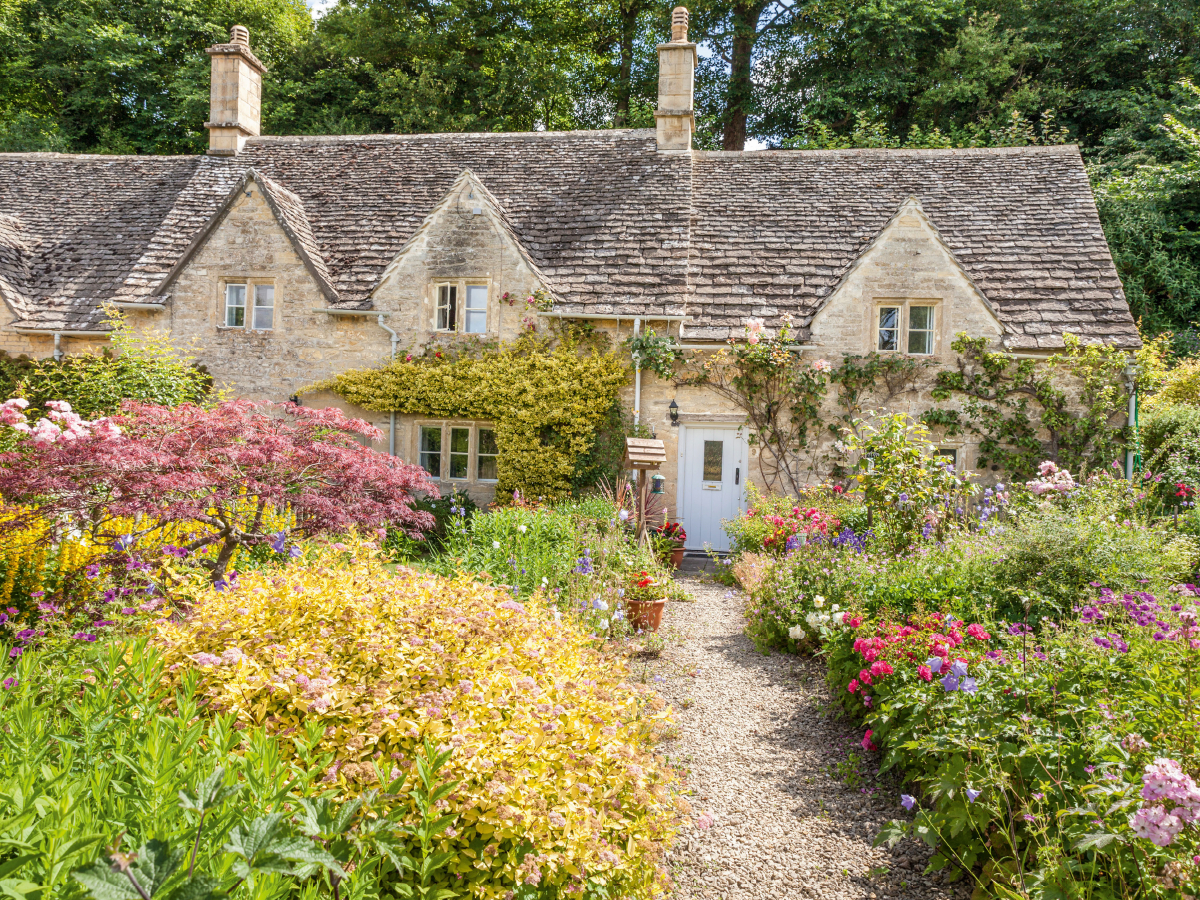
<point>461,308</point>
<point>907,327</point>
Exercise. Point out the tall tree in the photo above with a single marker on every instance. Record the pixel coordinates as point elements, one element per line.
<point>734,30</point>
<point>124,76</point>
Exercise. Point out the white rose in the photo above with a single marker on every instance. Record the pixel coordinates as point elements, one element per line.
<point>818,601</point>
<point>797,633</point>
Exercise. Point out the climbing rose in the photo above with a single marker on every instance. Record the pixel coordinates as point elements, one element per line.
<point>925,673</point>
<point>866,742</point>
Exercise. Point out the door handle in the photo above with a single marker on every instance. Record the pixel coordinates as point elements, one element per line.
<point>737,475</point>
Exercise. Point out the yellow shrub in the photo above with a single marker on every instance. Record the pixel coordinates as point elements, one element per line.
<point>556,785</point>
<point>35,559</point>
<point>1180,385</point>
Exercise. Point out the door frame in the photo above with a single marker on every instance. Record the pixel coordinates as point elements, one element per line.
<point>739,433</point>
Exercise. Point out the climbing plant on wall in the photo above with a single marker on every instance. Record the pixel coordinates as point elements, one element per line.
<point>1069,408</point>
<point>546,397</point>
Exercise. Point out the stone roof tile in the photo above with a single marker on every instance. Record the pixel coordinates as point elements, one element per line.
<point>614,226</point>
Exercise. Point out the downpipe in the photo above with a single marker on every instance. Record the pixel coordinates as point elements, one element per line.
<point>392,414</point>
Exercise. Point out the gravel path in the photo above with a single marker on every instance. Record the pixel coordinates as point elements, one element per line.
<point>761,752</point>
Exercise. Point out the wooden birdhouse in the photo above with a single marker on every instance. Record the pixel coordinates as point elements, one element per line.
<point>642,454</point>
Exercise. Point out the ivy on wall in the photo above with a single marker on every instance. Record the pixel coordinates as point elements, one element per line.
<point>546,398</point>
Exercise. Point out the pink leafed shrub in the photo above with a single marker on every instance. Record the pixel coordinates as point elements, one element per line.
<point>217,469</point>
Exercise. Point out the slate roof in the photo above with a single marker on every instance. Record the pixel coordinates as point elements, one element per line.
<point>613,226</point>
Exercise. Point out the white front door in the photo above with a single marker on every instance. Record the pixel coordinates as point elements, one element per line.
<point>713,483</point>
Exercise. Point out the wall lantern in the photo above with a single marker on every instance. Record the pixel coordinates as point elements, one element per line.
<point>674,410</point>
<point>295,398</point>
<point>657,483</point>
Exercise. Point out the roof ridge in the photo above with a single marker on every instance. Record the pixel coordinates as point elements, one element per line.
<point>774,152</point>
<point>621,133</point>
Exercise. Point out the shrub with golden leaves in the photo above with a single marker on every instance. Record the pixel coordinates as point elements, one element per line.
<point>556,784</point>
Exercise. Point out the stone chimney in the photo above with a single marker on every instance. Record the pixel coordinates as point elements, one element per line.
<point>675,116</point>
<point>235,101</point>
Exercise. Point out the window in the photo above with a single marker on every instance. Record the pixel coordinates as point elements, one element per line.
<point>907,327</point>
<point>460,452</point>
<point>264,306</point>
<point>948,454</point>
<point>235,305</point>
<point>476,318</point>
<point>485,469</point>
<point>714,452</point>
<point>920,330</point>
<point>431,449</point>
<point>447,307</point>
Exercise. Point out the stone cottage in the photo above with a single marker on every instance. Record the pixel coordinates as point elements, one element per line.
<point>279,261</point>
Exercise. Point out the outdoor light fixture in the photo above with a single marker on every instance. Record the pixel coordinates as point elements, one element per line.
<point>295,398</point>
<point>657,484</point>
<point>674,409</point>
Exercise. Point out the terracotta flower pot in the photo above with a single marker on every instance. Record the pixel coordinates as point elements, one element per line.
<point>645,615</point>
<point>676,557</point>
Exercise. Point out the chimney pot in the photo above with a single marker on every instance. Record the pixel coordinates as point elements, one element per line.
<point>679,25</point>
<point>235,98</point>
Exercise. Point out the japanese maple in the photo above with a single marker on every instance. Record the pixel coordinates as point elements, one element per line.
<point>217,469</point>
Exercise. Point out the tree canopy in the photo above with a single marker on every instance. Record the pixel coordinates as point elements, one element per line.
<point>1115,76</point>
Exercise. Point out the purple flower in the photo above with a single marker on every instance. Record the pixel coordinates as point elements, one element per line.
<point>92,571</point>
<point>972,794</point>
<point>903,497</point>
<point>295,552</point>
<point>959,668</point>
<point>908,801</point>
<point>84,636</point>
<point>968,686</point>
<point>1102,642</point>
<point>10,683</point>
<point>950,683</point>
<point>279,542</point>
<point>15,652</point>
<point>934,663</point>
<point>124,542</point>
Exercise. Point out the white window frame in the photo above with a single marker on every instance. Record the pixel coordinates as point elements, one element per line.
<point>231,288</point>
<point>262,288</point>
<point>462,289</point>
<point>904,330</point>
<point>249,288</point>
<point>480,456</point>
<point>450,289</point>
<point>445,429</point>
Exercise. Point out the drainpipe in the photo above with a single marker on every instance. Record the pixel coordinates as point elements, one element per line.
<point>58,354</point>
<point>1131,458</point>
<point>637,377</point>
<point>392,413</point>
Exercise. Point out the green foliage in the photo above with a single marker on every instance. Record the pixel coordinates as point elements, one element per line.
<point>1053,736</point>
<point>1170,443</point>
<point>124,76</point>
<point>547,402</point>
<point>137,367</point>
<point>114,788</point>
<point>658,353</point>
<point>1007,401</point>
<point>903,480</point>
<point>779,391</point>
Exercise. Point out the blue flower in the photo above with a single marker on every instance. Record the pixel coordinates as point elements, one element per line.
<point>958,668</point>
<point>934,663</point>
<point>908,801</point>
<point>950,683</point>
<point>125,542</point>
<point>903,498</point>
<point>968,686</point>
<point>971,795</point>
<point>279,542</point>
